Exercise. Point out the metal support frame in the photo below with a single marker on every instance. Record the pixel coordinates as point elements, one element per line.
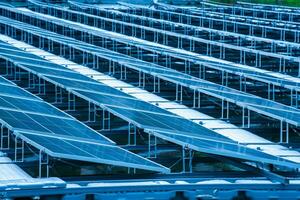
<point>197,99</point>
<point>187,67</point>
<point>142,79</point>
<point>152,146</point>
<point>92,112</point>
<point>43,161</point>
<point>156,84</point>
<point>31,80</point>
<point>225,109</point>
<point>71,102</point>
<point>111,67</point>
<point>294,98</point>
<point>187,156</point>
<point>179,93</point>
<point>284,132</point>
<point>5,137</point>
<point>132,130</point>
<point>16,73</point>
<point>9,68</point>
<point>18,149</point>
<point>58,94</point>
<point>271,91</point>
<point>105,120</point>
<point>224,78</point>
<point>131,170</point>
<point>243,84</point>
<point>202,71</point>
<point>123,72</point>
<point>41,86</point>
<point>246,118</point>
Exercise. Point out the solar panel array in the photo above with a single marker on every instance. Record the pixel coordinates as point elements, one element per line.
<point>159,53</point>
<point>58,134</point>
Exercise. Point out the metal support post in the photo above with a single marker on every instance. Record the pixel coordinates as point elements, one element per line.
<point>42,86</point>
<point>133,170</point>
<point>123,72</point>
<point>284,132</point>
<point>43,160</point>
<point>105,120</point>
<point>156,84</point>
<point>224,78</point>
<point>92,112</point>
<point>225,109</point>
<point>142,79</point>
<point>58,94</point>
<point>131,134</point>
<point>71,102</point>
<point>31,80</point>
<point>197,99</point>
<point>19,148</point>
<point>152,146</point>
<point>243,85</point>
<point>187,67</point>
<point>201,71</point>
<point>9,71</point>
<point>5,137</point>
<point>245,118</point>
<point>179,94</point>
<point>187,156</point>
<point>111,65</point>
<point>271,91</point>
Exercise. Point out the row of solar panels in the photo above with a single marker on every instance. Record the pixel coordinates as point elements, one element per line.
<point>252,73</point>
<point>144,115</point>
<point>252,102</point>
<point>58,134</point>
<point>44,134</point>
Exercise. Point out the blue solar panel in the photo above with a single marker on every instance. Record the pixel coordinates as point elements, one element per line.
<point>90,85</point>
<point>12,90</point>
<point>62,72</point>
<point>159,121</point>
<point>22,110</point>
<point>31,105</point>
<point>223,148</point>
<point>18,120</point>
<point>92,152</point>
<point>50,124</point>
<point>4,81</point>
<point>61,135</point>
<point>123,101</point>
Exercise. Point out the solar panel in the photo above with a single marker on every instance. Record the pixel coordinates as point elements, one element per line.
<point>11,90</point>
<point>123,101</point>
<point>90,151</point>
<point>222,148</point>
<point>31,105</point>
<point>51,124</point>
<point>90,86</point>
<point>158,121</point>
<point>5,81</point>
<point>45,127</point>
